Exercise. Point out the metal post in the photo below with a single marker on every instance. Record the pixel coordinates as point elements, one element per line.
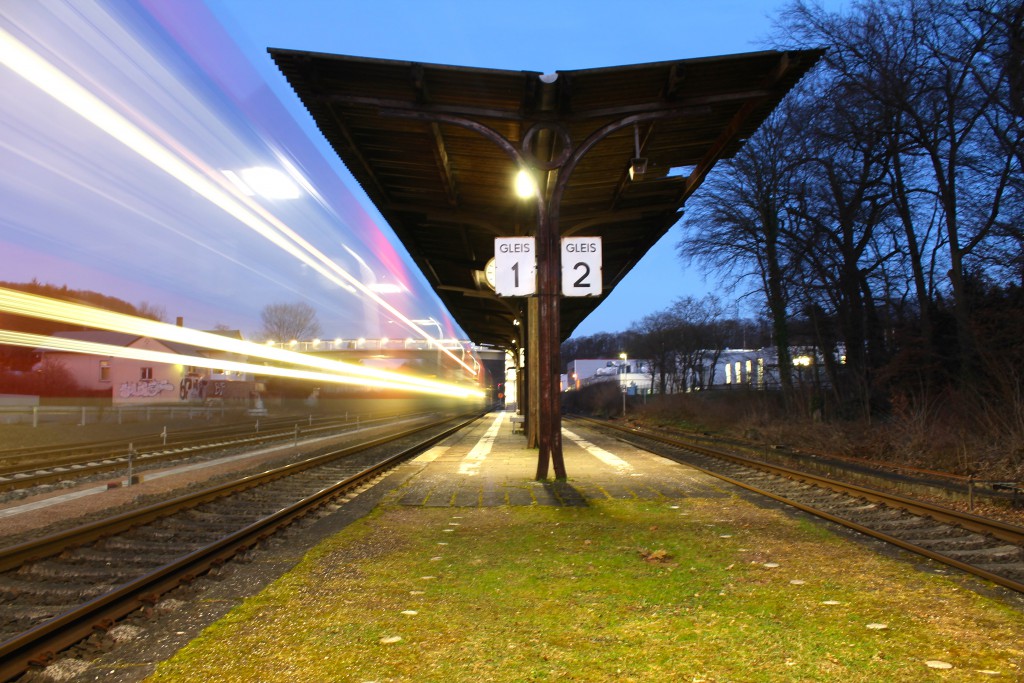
<point>531,368</point>
<point>622,381</point>
<point>131,453</point>
<point>548,286</point>
<point>163,435</point>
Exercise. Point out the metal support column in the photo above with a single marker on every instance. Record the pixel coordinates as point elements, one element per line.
<point>548,288</point>
<point>532,366</point>
<point>543,368</point>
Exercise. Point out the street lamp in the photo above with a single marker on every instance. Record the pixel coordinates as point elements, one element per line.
<point>623,383</point>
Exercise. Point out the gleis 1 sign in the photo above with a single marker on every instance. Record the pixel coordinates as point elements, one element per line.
<point>515,266</point>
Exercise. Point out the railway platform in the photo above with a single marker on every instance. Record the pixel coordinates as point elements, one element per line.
<point>633,568</point>
<point>490,465</point>
<point>460,566</point>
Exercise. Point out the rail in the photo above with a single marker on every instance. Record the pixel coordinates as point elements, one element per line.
<point>39,644</point>
<point>1009,575</point>
<point>61,463</point>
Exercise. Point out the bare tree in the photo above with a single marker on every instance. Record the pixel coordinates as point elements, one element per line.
<point>1006,83</point>
<point>657,338</point>
<point>284,322</point>
<point>152,311</point>
<point>600,345</point>
<point>928,67</point>
<point>53,378</point>
<point>737,223</point>
<point>702,340</point>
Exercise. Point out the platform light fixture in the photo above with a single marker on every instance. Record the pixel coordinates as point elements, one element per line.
<point>637,168</point>
<point>638,164</point>
<point>525,186</point>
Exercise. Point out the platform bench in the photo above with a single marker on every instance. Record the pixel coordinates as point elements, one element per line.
<point>518,424</point>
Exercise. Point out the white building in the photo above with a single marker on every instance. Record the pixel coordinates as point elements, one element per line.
<point>633,375</point>
<point>733,368</point>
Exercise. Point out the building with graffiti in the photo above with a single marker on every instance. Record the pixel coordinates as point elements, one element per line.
<point>132,381</point>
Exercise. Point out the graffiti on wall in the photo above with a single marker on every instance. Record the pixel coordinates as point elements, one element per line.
<point>146,388</point>
<point>199,388</point>
<point>191,388</point>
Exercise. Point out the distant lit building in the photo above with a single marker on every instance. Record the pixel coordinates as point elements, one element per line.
<point>634,376</point>
<point>730,369</point>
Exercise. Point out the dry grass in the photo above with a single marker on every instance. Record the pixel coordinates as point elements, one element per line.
<point>955,434</point>
<point>620,591</point>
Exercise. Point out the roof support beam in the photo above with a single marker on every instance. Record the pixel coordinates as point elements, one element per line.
<point>444,165</point>
<point>687,106</point>
<point>729,133</point>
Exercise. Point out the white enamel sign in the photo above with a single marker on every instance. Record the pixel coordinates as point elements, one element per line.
<point>581,266</point>
<point>515,266</point>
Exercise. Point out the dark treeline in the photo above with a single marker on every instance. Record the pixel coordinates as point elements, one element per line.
<point>51,379</point>
<point>878,214</point>
<point>682,344</point>
<point>881,203</point>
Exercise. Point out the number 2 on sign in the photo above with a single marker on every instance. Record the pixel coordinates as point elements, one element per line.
<point>581,282</point>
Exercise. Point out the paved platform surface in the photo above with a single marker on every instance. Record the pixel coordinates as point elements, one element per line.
<point>489,465</point>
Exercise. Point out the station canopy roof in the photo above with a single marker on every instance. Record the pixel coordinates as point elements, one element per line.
<point>447,190</point>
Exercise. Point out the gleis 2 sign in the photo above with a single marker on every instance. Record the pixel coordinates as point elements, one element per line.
<point>581,266</point>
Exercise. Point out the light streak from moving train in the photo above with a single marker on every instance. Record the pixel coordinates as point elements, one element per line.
<point>94,348</point>
<point>45,308</point>
<point>188,169</point>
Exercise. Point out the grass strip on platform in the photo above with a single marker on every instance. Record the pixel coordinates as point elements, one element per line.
<point>619,591</point>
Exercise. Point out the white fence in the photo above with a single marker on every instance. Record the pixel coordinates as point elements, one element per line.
<point>83,415</point>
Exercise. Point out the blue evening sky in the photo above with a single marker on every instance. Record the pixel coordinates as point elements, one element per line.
<point>123,120</point>
<point>533,35</point>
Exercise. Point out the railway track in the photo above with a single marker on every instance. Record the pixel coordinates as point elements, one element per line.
<point>988,548</point>
<point>58,590</point>
<point>23,467</point>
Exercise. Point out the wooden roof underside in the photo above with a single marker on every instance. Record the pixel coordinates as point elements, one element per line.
<point>446,189</point>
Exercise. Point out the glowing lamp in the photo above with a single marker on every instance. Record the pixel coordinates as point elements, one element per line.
<point>525,187</point>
